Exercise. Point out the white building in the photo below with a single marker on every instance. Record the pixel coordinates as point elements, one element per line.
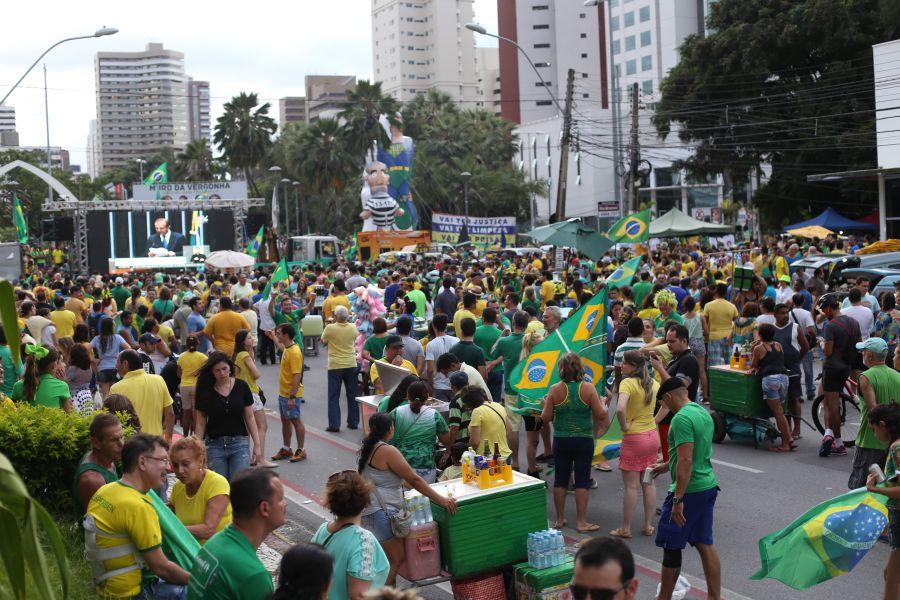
<point>92,154</point>
<point>141,104</point>
<point>487,74</point>
<point>423,45</point>
<point>198,110</point>
<point>7,118</point>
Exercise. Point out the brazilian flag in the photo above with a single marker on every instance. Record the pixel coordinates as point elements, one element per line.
<point>624,274</point>
<point>280,274</point>
<point>255,243</point>
<point>159,175</point>
<point>532,377</point>
<point>826,542</point>
<point>19,220</point>
<point>633,229</point>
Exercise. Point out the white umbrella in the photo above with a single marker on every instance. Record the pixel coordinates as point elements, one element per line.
<point>229,259</point>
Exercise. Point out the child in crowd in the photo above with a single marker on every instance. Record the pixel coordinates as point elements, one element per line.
<point>454,470</point>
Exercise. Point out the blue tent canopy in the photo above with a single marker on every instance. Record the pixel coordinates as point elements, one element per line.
<point>831,219</point>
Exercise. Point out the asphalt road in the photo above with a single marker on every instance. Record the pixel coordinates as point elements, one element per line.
<point>761,493</point>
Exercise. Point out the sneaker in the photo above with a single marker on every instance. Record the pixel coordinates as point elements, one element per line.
<point>299,455</point>
<point>839,451</point>
<point>825,447</point>
<point>283,454</point>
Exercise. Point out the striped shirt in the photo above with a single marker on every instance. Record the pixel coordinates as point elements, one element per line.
<point>383,209</point>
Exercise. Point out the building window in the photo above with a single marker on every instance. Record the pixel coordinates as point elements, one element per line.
<point>647,87</point>
<point>543,103</point>
<point>644,14</point>
<point>581,15</point>
<point>540,7</point>
<point>542,84</point>
<point>540,26</point>
<point>645,38</point>
<point>542,64</point>
<point>583,35</point>
<point>585,95</point>
<point>646,63</point>
<point>584,55</point>
<point>618,70</point>
<point>629,43</point>
<point>613,3</point>
<point>630,67</point>
<point>542,45</point>
<point>629,19</point>
<point>614,24</point>
<point>617,46</point>
<point>584,75</point>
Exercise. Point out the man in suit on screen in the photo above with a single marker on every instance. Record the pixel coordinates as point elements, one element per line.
<point>164,239</point>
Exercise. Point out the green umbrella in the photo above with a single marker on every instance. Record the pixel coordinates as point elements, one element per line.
<point>573,234</point>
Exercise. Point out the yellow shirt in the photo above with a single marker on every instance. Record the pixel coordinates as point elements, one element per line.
<point>190,362</point>
<point>459,316</point>
<point>721,314</point>
<point>491,418</point>
<point>480,305</point>
<point>224,326</point>
<point>78,307</point>
<point>291,364</point>
<point>191,510</point>
<point>166,333</point>
<point>65,322</point>
<point>149,395</point>
<point>332,302</point>
<point>118,508</point>
<point>548,292</point>
<point>130,305</point>
<point>638,413</point>
<point>373,372</point>
<point>243,373</point>
<point>341,341</point>
<point>781,267</point>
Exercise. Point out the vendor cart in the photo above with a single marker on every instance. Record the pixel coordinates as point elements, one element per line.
<point>738,408</point>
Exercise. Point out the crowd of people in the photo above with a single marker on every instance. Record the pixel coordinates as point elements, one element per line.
<point>188,349</point>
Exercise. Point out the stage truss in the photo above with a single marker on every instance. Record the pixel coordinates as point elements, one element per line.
<point>78,210</point>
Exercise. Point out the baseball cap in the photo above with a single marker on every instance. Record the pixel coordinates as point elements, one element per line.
<point>119,281</point>
<point>148,338</point>
<point>458,379</point>
<point>873,344</point>
<point>669,385</point>
<point>784,278</point>
<point>393,340</point>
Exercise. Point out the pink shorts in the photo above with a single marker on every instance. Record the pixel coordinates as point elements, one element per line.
<point>639,450</point>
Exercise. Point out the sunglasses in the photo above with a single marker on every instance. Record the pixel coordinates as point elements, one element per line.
<point>580,592</point>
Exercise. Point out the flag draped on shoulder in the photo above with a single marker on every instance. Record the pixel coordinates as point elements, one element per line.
<point>631,229</point>
<point>255,243</point>
<point>624,274</point>
<point>583,332</point>
<point>159,175</point>
<point>826,542</point>
<point>280,274</point>
<point>19,219</point>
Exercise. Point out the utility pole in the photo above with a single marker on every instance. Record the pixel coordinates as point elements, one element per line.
<point>564,149</point>
<point>634,154</point>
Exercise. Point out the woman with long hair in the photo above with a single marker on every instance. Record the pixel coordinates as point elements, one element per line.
<point>107,346</point>
<point>304,574</point>
<point>640,439</point>
<point>79,373</point>
<point>224,417</point>
<point>247,371</point>
<point>417,426</point>
<point>44,379</point>
<point>119,404</point>
<point>387,470</point>
<point>398,396</point>
<point>163,307</point>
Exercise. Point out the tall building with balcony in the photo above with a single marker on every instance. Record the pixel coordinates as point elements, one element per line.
<point>326,94</point>
<point>198,110</point>
<point>142,104</point>
<point>423,45</point>
<point>7,118</point>
<point>291,109</point>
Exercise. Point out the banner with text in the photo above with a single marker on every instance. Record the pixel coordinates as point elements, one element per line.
<point>192,190</point>
<point>483,231</point>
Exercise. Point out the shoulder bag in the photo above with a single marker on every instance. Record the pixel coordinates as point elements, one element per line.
<point>402,519</point>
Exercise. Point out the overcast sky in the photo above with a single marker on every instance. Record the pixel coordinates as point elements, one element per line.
<point>237,46</point>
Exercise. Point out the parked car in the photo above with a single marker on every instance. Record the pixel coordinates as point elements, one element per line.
<point>873,276</point>
<point>887,284</point>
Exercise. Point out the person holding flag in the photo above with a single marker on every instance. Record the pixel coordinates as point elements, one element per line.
<point>632,229</point>
<point>255,243</point>
<point>19,219</point>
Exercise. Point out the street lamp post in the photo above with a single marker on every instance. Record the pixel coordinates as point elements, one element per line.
<point>297,206</point>
<point>464,232</point>
<point>141,162</point>
<point>287,220</point>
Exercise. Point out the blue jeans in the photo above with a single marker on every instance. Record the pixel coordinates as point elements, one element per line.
<point>228,455</point>
<point>162,590</point>
<point>495,384</point>
<point>807,365</point>
<point>348,378</point>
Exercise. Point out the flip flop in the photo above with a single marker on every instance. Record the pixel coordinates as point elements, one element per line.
<point>558,526</point>
<point>590,528</point>
<point>617,532</point>
<point>648,531</point>
<point>779,449</point>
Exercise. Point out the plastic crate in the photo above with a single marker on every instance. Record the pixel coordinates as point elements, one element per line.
<point>737,393</point>
<point>543,584</point>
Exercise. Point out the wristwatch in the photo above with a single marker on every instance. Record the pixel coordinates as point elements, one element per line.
<point>677,500</point>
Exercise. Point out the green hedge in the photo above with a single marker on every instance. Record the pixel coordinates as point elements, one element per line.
<point>45,446</point>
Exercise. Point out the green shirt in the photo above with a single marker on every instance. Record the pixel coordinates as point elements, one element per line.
<point>51,392</point>
<point>356,554</point>
<point>641,290</point>
<point>693,425</point>
<point>469,353</point>
<point>375,346</point>
<point>415,434</point>
<point>11,370</point>
<point>659,323</point>
<point>885,382</point>
<point>485,338</point>
<point>418,297</point>
<point>294,317</point>
<point>572,418</point>
<point>120,294</point>
<point>509,347</point>
<point>227,567</point>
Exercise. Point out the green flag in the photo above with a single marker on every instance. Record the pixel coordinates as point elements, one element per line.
<point>624,274</point>
<point>632,229</point>
<point>159,175</point>
<point>826,542</point>
<point>255,243</point>
<point>19,220</point>
<point>533,376</point>
<point>280,274</point>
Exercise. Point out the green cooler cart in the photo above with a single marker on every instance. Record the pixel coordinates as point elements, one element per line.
<point>738,408</point>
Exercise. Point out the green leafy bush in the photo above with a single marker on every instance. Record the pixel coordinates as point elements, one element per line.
<point>45,445</point>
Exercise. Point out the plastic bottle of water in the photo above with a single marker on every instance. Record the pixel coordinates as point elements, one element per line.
<point>543,550</point>
<point>410,504</point>
<point>530,545</point>
<point>418,517</point>
<point>560,548</point>
<point>426,505</point>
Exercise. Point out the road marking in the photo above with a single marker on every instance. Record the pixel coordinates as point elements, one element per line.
<point>321,434</point>
<point>734,466</point>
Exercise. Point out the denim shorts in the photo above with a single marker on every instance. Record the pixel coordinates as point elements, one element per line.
<point>379,523</point>
<point>288,413</point>
<point>698,527</point>
<point>257,403</point>
<point>774,387</point>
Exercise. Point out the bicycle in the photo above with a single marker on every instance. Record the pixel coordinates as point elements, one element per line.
<point>849,407</point>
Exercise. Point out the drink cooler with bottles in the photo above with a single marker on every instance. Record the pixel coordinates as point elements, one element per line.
<point>544,584</point>
<point>491,526</point>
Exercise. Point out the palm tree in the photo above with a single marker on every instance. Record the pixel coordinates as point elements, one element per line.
<point>196,161</point>
<point>425,109</point>
<point>244,134</point>
<point>319,156</point>
<point>360,115</point>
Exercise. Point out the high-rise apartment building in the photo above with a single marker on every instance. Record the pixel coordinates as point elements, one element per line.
<point>141,104</point>
<point>93,149</point>
<point>198,111</point>
<point>487,73</point>
<point>423,45</point>
<point>7,118</point>
<point>326,94</point>
<point>290,109</point>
